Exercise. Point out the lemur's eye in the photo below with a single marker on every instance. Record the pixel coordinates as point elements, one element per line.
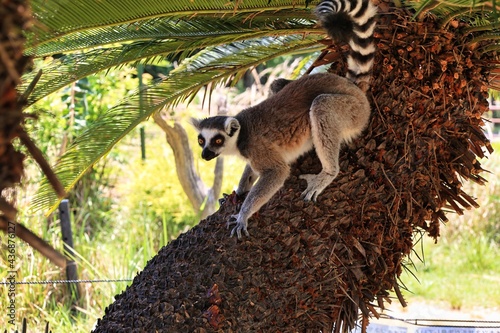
<point>218,141</point>
<point>201,142</point>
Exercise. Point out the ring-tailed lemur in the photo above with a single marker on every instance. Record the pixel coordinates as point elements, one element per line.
<point>320,111</point>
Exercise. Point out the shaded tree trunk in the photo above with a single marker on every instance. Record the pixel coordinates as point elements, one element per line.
<point>14,17</point>
<point>311,267</point>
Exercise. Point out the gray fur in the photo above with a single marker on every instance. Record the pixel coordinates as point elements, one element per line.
<point>320,110</point>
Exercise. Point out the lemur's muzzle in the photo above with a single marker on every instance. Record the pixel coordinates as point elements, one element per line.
<point>207,154</point>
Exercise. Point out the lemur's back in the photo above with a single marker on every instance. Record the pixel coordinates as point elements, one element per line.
<point>283,119</point>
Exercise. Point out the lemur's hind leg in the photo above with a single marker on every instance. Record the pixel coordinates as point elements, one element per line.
<point>333,121</point>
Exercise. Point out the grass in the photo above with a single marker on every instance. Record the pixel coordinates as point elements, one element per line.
<point>462,270</point>
<point>118,229</point>
<point>461,273</point>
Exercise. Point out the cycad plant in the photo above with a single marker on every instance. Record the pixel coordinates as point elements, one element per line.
<point>305,268</point>
<point>223,39</point>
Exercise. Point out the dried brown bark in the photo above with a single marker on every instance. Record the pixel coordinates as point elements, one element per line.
<point>320,267</point>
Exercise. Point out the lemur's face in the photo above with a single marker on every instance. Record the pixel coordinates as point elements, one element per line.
<point>217,135</point>
<point>212,142</point>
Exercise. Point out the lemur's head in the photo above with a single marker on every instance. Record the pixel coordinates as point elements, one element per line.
<point>217,135</point>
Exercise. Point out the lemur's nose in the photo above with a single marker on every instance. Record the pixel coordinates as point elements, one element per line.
<point>207,154</point>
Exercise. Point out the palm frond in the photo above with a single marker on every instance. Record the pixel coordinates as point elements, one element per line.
<point>211,66</point>
<point>461,9</point>
<point>175,28</point>
<point>158,41</point>
<point>58,18</point>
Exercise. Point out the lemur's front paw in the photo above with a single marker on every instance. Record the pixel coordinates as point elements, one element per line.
<point>315,185</point>
<point>241,225</point>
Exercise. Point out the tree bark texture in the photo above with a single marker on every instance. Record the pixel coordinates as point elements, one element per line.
<point>15,16</point>
<point>321,267</point>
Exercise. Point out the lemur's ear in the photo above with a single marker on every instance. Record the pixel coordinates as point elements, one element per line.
<point>195,122</point>
<point>231,125</point>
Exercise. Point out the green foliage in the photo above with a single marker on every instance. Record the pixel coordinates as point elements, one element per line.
<point>210,66</point>
<point>91,199</point>
<point>94,95</point>
<point>151,188</point>
<point>461,272</point>
<point>63,18</point>
<point>462,268</point>
<point>222,40</point>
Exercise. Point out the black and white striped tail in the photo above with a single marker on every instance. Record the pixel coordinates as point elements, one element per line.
<point>352,21</point>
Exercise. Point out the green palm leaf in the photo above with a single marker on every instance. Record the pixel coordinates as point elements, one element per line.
<point>470,11</point>
<point>165,39</point>
<point>175,28</point>
<point>61,17</point>
<point>96,36</point>
<point>212,65</point>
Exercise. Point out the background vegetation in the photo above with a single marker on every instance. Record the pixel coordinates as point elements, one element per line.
<point>125,209</point>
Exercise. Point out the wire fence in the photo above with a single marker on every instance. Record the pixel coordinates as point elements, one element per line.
<point>446,322</point>
<point>389,324</point>
<point>64,281</point>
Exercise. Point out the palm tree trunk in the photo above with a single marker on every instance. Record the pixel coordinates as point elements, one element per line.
<point>15,17</point>
<point>311,267</point>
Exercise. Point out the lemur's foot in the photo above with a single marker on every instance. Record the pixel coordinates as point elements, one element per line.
<point>241,225</point>
<point>315,185</point>
<point>224,198</point>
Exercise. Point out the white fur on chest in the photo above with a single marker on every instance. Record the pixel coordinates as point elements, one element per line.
<point>291,155</point>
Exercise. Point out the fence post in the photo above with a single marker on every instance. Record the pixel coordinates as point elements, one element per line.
<point>67,234</point>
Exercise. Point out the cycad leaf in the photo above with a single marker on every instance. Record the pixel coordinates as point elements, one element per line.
<point>213,65</point>
<point>61,17</point>
<point>165,39</point>
<point>175,28</point>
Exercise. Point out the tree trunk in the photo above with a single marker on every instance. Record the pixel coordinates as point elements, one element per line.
<point>202,198</point>
<point>318,267</point>
<point>15,17</point>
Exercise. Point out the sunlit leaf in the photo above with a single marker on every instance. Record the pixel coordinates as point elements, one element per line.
<point>213,65</point>
<point>162,43</point>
